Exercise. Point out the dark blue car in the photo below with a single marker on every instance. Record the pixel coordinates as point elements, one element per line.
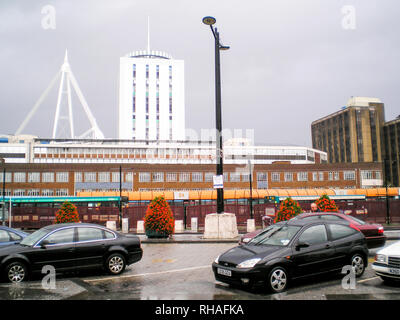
<point>10,236</point>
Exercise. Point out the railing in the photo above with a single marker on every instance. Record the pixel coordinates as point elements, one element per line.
<point>37,217</point>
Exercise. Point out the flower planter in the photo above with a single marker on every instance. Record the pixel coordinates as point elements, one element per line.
<point>156,234</point>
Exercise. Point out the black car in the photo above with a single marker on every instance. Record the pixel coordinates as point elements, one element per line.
<point>290,250</point>
<point>69,246</point>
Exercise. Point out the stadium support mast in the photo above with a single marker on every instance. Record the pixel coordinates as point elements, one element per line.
<point>67,77</point>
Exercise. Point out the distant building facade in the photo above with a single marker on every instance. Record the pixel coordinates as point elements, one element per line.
<point>66,179</point>
<point>151,97</point>
<point>353,134</point>
<point>391,133</point>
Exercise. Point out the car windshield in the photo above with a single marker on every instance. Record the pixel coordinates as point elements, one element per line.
<point>277,235</point>
<point>34,237</point>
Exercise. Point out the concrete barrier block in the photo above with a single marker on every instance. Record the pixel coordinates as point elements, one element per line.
<point>220,226</point>
<point>179,226</point>
<point>140,227</point>
<point>111,225</point>
<point>251,225</point>
<point>125,225</point>
<point>194,224</point>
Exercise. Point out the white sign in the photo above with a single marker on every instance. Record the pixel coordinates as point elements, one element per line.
<point>218,182</point>
<point>181,195</point>
<point>270,212</point>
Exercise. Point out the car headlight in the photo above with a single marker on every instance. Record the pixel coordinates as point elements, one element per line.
<point>216,260</point>
<point>381,258</point>
<point>248,263</point>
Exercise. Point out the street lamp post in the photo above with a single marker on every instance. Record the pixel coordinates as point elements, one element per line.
<point>3,193</point>
<point>120,197</point>
<point>386,173</point>
<point>218,119</point>
<point>251,191</point>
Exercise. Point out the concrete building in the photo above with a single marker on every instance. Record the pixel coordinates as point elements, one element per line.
<point>391,133</point>
<point>151,97</point>
<point>352,134</point>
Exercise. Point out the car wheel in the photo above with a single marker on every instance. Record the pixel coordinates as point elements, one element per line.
<point>115,264</point>
<point>16,272</point>
<point>278,279</point>
<point>358,264</point>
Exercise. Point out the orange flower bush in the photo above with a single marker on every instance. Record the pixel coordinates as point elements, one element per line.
<point>67,213</point>
<point>288,209</point>
<point>159,217</point>
<point>325,204</point>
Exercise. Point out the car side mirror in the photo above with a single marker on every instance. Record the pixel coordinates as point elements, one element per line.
<point>44,243</point>
<point>302,244</point>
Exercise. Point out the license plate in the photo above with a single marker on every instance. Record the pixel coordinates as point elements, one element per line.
<point>224,272</point>
<point>394,271</point>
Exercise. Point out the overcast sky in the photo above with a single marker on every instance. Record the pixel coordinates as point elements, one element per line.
<point>290,62</point>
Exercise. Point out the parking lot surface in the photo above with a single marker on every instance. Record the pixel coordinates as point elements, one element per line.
<point>182,271</point>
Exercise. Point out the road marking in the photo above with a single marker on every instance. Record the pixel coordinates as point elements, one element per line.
<point>365,280</point>
<point>146,274</point>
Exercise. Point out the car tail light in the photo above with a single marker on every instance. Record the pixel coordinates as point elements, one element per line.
<point>354,227</point>
<point>381,230</point>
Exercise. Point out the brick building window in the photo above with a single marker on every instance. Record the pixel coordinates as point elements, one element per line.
<point>208,176</point>
<point>245,177</point>
<point>48,177</point>
<point>90,176</point>
<point>197,176</point>
<point>62,176</point>
<point>172,177</point>
<point>366,174</point>
<point>104,176</point>
<point>33,192</point>
<point>78,177</point>
<point>61,192</point>
<point>275,176</point>
<point>115,177</point>
<point>7,178</point>
<point>47,192</point>
<point>19,176</point>
<point>235,177</point>
<point>288,176</point>
<point>144,177</point>
<point>302,176</point>
<point>349,175</point>
<point>19,192</point>
<point>33,176</point>
<point>129,177</point>
<point>184,177</point>
<point>158,177</point>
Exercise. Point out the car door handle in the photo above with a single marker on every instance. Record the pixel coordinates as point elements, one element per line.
<point>328,246</point>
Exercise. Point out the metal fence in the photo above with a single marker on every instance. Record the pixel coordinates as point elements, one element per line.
<point>37,217</point>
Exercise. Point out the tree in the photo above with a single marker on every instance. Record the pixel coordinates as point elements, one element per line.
<point>325,204</point>
<point>159,218</point>
<point>288,209</point>
<point>67,213</point>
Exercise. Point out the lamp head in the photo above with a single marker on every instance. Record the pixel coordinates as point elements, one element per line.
<point>209,20</point>
<point>221,47</point>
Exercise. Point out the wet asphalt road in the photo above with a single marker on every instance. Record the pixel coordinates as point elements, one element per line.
<point>179,271</point>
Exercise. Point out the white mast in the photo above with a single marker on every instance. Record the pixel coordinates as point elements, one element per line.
<point>148,35</point>
<point>68,77</point>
